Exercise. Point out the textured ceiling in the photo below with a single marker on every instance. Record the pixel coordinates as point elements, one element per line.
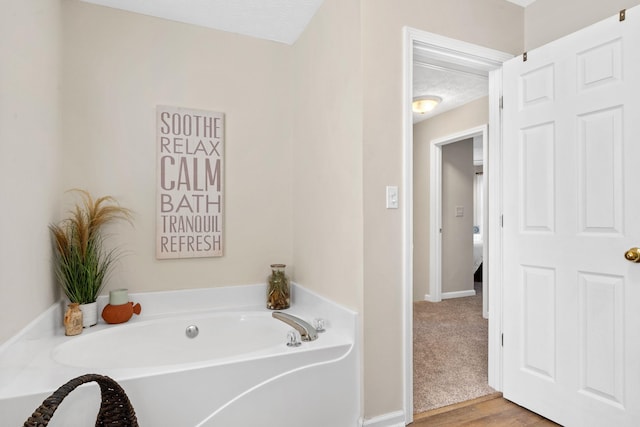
<point>456,88</point>
<point>278,20</point>
<point>456,80</point>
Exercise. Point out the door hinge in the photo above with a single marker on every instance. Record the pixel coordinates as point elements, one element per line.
<point>501,221</point>
<point>524,57</point>
<point>502,340</point>
<point>501,102</point>
<point>623,15</point>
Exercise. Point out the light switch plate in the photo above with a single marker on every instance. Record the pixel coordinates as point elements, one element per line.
<point>459,211</point>
<point>392,197</point>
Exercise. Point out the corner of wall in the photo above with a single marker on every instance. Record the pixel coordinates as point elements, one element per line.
<point>29,145</point>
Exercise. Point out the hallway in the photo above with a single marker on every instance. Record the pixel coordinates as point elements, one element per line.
<point>450,360</point>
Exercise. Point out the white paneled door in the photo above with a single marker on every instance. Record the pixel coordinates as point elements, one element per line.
<point>571,150</point>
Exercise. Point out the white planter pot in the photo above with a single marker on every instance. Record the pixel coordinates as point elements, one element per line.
<point>89,314</point>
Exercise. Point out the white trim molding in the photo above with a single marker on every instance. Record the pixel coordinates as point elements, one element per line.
<point>435,205</point>
<point>472,57</point>
<point>458,294</point>
<point>451,295</point>
<point>407,224</point>
<point>492,274</point>
<point>391,419</point>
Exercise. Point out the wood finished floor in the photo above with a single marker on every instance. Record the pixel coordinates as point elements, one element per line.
<point>490,410</point>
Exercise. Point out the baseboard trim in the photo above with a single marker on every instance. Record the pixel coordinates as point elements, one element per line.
<point>391,419</point>
<point>450,295</point>
<point>458,294</point>
<point>427,297</point>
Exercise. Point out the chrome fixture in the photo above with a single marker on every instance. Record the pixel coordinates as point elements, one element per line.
<point>192,331</point>
<point>307,332</point>
<point>319,324</point>
<point>293,338</point>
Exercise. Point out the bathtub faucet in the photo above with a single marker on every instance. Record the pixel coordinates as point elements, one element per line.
<point>307,332</point>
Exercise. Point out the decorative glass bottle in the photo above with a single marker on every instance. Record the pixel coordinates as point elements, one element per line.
<point>278,288</point>
<point>73,320</point>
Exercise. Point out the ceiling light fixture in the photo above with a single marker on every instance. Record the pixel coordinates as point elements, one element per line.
<point>425,104</point>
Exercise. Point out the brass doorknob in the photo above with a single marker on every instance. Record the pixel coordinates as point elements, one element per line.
<point>632,255</point>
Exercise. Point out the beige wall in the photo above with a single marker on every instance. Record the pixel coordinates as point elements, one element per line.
<point>492,23</point>
<point>29,152</point>
<point>471,115</point>
<point>548,20</point>
<point>457,236</point>
<point>117,67</point>
<point>327,154</point>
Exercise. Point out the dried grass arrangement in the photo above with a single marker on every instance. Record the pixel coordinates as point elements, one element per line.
<point>82,263</point>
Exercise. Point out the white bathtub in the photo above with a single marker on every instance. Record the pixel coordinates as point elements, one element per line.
<point>237,371</point>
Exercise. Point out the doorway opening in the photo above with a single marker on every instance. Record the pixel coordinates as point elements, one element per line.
<point>450,325</point>
<point>466,57</point>
<point>476,205</point>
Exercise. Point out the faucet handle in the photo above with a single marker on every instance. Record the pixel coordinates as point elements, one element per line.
<point>293,338</point>
<point>319,324</point>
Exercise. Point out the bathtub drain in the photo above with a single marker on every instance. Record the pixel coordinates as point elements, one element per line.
<point>191,331</point>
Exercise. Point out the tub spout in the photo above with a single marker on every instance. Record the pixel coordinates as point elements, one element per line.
<point>307,332</point>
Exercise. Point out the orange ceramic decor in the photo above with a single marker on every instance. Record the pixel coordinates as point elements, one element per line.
<point>120,313</point>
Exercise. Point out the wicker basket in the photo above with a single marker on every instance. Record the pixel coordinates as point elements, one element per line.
<point>115,409</point>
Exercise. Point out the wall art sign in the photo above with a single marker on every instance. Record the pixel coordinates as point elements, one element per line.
<point>190,187</point>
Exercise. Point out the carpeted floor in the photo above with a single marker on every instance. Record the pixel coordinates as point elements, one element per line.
<point>449,352</point>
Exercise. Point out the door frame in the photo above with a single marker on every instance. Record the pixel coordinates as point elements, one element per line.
<point>485,59</point>
<point>435,211</point>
